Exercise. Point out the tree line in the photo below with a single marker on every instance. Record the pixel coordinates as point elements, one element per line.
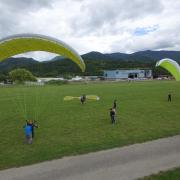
<point>66,68</point>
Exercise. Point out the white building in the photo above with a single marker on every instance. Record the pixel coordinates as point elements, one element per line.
<point>76,78</point>
<point>125,74</point>
<point>49,79</point>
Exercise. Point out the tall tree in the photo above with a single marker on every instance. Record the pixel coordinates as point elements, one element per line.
<point>21,75</point>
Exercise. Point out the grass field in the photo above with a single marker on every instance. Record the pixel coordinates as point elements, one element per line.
<point>69,128</point>
<point>168,175</point>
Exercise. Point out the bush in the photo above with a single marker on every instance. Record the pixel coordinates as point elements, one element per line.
<point>21,75</point>
<point>57,82</point>
<point>3,78</point>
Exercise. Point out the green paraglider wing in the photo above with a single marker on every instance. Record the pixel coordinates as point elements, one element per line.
<point>22,43</point>
<point>89,97</point>
<point>171,66</point>
<point>93,97</point>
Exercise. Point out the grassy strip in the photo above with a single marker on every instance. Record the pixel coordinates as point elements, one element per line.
<point>168,175</point>
<point>69,128</point>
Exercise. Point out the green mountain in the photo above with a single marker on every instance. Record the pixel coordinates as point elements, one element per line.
<point>95,62</point>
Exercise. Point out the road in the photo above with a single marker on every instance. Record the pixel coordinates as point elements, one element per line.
<point>124,163</point>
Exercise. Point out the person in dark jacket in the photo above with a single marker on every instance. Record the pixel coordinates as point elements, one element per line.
<point>112,115</point>
<point>83,99</point>
<point>115,104</point>
<point>169,97</point>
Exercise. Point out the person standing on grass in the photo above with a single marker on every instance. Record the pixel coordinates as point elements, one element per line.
<point>112,115</point>
<point>27,131</point>
<point>32,125</point>
<point>83,99</point>
<point>169,97</point>
<point>114,104</point>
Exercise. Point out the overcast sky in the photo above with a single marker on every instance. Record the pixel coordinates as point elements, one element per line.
<point>96,25</point>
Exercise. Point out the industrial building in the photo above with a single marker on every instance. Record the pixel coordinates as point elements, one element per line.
<point>125,74</point>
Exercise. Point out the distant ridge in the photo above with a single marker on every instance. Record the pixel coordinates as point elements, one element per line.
<point>95,62</point>
<point>157,55</point>
<point>12,62</point>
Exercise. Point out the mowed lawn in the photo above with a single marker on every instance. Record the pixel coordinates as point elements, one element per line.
<point>69,128</point>
<point>167,175</point>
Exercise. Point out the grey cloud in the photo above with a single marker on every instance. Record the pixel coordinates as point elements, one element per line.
<point>7,23</point>
<point>156,42</point>
<point>13,11</point>
<point>21,5</point>
<point>102,25</point>
<point>109,13</point>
